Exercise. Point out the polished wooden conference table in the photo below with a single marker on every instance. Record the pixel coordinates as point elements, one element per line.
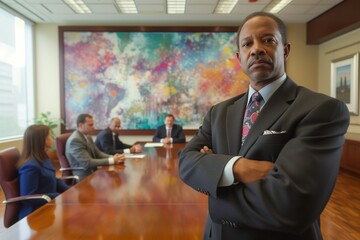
<point>142,199</point>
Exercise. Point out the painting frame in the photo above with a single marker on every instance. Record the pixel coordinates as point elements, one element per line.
<point>99,29</point>
<point>344,81</point>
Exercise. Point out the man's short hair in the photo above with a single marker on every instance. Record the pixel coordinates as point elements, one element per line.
<point>82,118</point>
<point>113,119</point>
<point>281,26</point>
<point>170,115</point>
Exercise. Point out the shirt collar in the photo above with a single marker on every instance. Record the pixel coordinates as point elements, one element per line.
<point>84,135</point>
<point>267,91</point>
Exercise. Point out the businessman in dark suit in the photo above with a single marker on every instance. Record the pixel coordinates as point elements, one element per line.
<point>108,140</point>
<point>271,177</point>
<point>169,132</point>
<point>81,150</point>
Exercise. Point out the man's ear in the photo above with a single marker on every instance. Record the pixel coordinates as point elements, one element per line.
<point>286,51</point>
<point>238,56</point>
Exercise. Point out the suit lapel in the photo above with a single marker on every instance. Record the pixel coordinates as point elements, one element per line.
<point>88,143</point>
<point>91,146</point>
<point>116,141</point>
<point>164,131</point>
<point>271,112</point>
<point>82,136</point>
<point>234,119</point>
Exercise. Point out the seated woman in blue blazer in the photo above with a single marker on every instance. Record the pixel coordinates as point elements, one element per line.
<point>36,172</point>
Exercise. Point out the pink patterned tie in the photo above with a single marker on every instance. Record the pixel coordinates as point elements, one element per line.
<point>252,111</point>
<point>168,133</point>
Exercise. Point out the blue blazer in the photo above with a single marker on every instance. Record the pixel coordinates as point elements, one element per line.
<point>177,134</point>
<point>37,178</point>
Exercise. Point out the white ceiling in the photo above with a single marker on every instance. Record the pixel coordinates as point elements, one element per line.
<point>153,12</point>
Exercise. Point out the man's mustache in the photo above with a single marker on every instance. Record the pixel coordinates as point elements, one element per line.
<point>259,59</point>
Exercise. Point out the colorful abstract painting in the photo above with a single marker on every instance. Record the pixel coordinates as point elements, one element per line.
<point>142,76</point>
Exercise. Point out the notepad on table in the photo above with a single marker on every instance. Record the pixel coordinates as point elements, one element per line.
<point>132,155</point>
<point>154,144</point>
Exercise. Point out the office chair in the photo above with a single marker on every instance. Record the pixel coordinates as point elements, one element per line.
<point>65,168</point>
<point>9,181</point>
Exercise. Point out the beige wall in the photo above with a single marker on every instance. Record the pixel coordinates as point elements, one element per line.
<point>302,63</point>
<point>47,83</point>
<point>338,48</point>
<point>11,143</point>
<point>301,66</point>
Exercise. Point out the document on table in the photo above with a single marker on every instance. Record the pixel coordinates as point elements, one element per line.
<point>154,144</point>
<point>134,155</point>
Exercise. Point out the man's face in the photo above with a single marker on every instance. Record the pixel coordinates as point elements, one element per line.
<point>115,125</point>
<point>87,127</point>
<point>262,54</point>
<point>169,122</point>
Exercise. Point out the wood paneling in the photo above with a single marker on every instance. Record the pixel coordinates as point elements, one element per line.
<point>338,20</point>
<point>350,160</point>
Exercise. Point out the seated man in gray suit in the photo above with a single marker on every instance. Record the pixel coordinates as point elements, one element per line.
<point>169,132</point>
<point>82,152</point>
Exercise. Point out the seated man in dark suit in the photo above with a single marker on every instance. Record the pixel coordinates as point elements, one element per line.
<point>169,132</point>
<point>81,150</point>
<point>108,140</point>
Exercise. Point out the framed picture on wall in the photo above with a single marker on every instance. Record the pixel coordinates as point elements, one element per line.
<point>142,73</point>
<point>344,81</point>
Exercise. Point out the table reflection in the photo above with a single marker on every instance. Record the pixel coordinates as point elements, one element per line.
<point>142,199</point>
<point>48,213</point>
<point>153,179</point>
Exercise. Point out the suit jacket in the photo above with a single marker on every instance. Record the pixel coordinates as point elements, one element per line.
<point>105,142</point>
<point>84,153</point>
<point>177,134</point>
<point>37,178</point>
<point>306,146</point>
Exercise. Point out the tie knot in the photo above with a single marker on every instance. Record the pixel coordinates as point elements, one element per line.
<point>256,97</point>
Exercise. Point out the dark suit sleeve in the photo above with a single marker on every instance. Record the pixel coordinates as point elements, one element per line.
<point>158,136</point>
<point>194,166</point>
<point>104,142</point>
<point>179,135</point>
<point>295,193</point>
<point>61,186</point>
<point>124,146</point>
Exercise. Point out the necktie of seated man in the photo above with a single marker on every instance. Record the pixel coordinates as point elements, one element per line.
<point>168,133</point>
<point>252,112</point>
<point>116,144</point>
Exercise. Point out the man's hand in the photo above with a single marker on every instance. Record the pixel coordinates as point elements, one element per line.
<point>166,140</point>
<point>119,158</point>
<point>207,150</point>
<point>247,170</point>
<point>136,148</point>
